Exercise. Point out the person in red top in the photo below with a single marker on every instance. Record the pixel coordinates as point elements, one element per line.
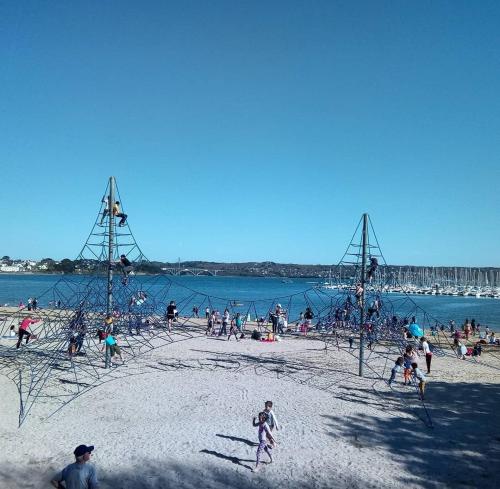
<point>23,329</point>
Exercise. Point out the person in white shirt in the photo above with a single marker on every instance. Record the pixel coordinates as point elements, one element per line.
<point>427,352</point>
<point>272,421</point>
<point>419,376</point>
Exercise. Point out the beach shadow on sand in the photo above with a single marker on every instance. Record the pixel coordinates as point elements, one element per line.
<point>459,451</point>
<point>234,460</point>
<point>237,438</point>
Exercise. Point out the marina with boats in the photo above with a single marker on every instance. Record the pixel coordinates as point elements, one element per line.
<point>456,282</point>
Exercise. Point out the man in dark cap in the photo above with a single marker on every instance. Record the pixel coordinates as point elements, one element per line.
<point>78,475</point>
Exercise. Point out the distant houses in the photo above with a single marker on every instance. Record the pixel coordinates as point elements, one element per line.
<point>7,265</point>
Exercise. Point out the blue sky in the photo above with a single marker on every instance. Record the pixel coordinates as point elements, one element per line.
<point>249,130</point>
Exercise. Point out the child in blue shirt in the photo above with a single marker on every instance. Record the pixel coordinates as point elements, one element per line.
<point>398,366</point>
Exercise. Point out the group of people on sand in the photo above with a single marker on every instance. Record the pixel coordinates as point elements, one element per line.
<point>83,475</point>
<point>473,334</point>
<point>31,305</point>
<point>219,325</point>
<point>408,365</point>
<point>228,324</point>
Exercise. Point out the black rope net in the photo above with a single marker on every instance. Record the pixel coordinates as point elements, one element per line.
<point>66,354</point>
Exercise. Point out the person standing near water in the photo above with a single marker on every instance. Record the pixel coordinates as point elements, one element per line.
<point>225,323</point>
<point>171,312</point>
<point>427,352</point>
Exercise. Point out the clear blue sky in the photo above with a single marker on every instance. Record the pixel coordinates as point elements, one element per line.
<point>253,130</point>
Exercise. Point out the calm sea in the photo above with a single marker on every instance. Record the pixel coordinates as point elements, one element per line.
<point>242,290</point>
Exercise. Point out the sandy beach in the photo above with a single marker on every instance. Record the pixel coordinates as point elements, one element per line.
<point>184,419</point>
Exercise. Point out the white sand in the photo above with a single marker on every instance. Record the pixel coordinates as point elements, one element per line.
<point>188,425</point>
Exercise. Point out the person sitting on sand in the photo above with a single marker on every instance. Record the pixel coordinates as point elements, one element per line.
<point>461,350</point>
<point>492,340</point>
<point>78,475</point>
<point>477,350</point>
<point>264,434</point>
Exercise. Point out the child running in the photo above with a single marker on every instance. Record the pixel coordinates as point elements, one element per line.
<point>23,330</point>
<point>264,434</point>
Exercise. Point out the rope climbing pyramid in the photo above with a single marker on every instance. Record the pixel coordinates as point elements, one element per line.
<point>114,313</point>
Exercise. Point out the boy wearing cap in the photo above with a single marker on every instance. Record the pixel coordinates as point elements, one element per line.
<point>78,475</point>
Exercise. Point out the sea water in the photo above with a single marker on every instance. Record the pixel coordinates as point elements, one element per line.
<point>242,291</point>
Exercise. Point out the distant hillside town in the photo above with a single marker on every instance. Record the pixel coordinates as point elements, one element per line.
<point>405,274</point>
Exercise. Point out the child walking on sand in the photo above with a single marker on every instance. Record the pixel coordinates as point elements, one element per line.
<point>264,434</point>
<point>272,421</point>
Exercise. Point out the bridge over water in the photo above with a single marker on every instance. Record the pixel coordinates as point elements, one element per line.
<point>190,271</point>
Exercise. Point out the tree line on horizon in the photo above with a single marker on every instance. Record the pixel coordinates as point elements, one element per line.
<point>395,273</point>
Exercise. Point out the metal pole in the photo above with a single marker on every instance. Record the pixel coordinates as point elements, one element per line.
<point>109,301</point>
<point>362,302</point>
